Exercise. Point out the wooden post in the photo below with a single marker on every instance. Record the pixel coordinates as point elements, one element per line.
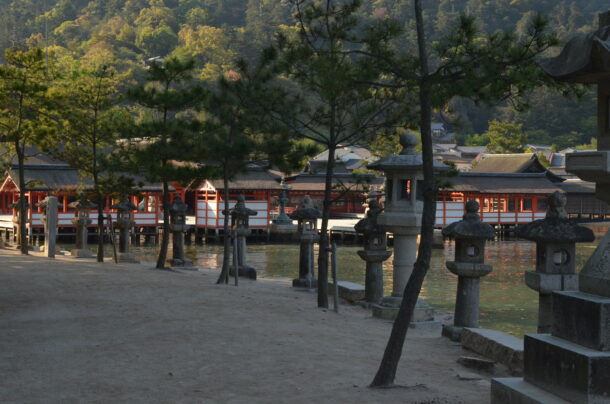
<point>333,264</point>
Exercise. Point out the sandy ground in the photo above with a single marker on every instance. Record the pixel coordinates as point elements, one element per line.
<point>74,331</point>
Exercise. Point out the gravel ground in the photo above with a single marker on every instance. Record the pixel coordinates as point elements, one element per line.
<point>75,331</point>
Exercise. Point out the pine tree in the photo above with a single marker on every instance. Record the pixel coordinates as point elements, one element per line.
<point>26,113</point>
<point>340,103</point>
<point>167,136</point>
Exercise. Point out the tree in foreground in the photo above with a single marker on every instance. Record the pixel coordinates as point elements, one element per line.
<point>26,117</point>
<point>484,68</point>
<point>162,144</point>
<point>92,129</point>
<point>341,101</point>
<point>238,130</point>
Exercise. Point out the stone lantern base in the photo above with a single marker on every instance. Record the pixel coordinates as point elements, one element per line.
<point>82,253</point>
<point>305,283</point>
<point>244,271</point>
<point>388,307</point>
<point>128,258</point>
<point>183,264</point>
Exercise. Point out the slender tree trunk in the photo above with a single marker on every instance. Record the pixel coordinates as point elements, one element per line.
<point>226,255</point>
<point>100,227</point>
<point>324,239</point>
<point>165,237</point>
<point>23,209</point>
<point>387,369</point>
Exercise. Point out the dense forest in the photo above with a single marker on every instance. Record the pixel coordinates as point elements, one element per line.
<point>126,33</point>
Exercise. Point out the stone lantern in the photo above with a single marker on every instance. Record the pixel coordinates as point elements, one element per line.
<point>402,216</point>
<point>49,220</point>
<point>125,223</point>
<point>307,232</point>
<point>178,226</point>
<point>556,237</point>
<point>82,222</point>
<point>240,218</point>
<point>282,225</point>
<point>375,252</point>
<point>572,363</point>
<point>470,235</point>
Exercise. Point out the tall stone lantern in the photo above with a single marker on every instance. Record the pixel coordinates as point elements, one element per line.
<point>240,223</point>
<point>470,235</point>
<point>556,237</point>
<point>375,251</point>
<point>307,233</point>
<point>82,222</point>
<point>125,223</point>
<point>572,363</point>
<point>178,226</point>
<point>402,215</point>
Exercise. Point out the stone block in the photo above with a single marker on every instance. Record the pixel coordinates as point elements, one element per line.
<point>473,362</point>
<point>350,291</point>
<point>582,318</point>
<point>496,345</point>
<point>469,270</point>
<point>388,308</point>
<point>128,258</point>
<point>513,390</point>
<point>304,283</point>
<point>82,253</point>
<point>452,332</point>
<point>568,370</point>
<point>548,283</point>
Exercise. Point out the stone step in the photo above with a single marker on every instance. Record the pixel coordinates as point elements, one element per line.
<point>496,345</point>
<point>583,319</point>
<point>350,291</point>
<point>514,390</point>
<point>572,371</point>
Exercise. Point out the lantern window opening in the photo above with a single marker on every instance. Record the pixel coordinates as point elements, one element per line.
<point>561,257</point>
<point>472,251</point>
<point>406,188</point>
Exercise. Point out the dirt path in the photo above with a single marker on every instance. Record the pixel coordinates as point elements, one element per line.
<point>81,332</point>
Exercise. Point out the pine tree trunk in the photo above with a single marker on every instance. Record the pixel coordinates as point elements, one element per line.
<point>23,209</point>
<point>165,237</point>
<point>324,239</point>
<point>387,370</point>
<point>226,255</point>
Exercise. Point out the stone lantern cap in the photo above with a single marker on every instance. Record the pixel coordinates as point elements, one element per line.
<point>470,227</point>
<point>240,210</point>
<point>585,58</point>
<point>307,210</point>
<point>369,224</point>
<point>407,160</point>
<point>556,227</point>
<point>82,204</point>
<point>124,206</point>
<point>178,206</point>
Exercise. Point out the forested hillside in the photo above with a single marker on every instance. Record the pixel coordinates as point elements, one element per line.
<point>125,33</point>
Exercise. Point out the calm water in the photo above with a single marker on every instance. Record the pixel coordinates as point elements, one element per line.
<point>506,303</point>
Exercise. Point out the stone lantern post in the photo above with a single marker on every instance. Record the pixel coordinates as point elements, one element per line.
<point>556,237</point>
<point>178,226</point>
<point>125,223</point>
<point>49,220</point>
<point>375,252</point>
<point>572,363</point>
<point>469,265</point>
<point>82,222</point>
<point>402,216</point>
<point>240,217</point>
<point>307,233</point>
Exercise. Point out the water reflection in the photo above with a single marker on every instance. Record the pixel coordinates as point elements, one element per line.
<point>506,303</point>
